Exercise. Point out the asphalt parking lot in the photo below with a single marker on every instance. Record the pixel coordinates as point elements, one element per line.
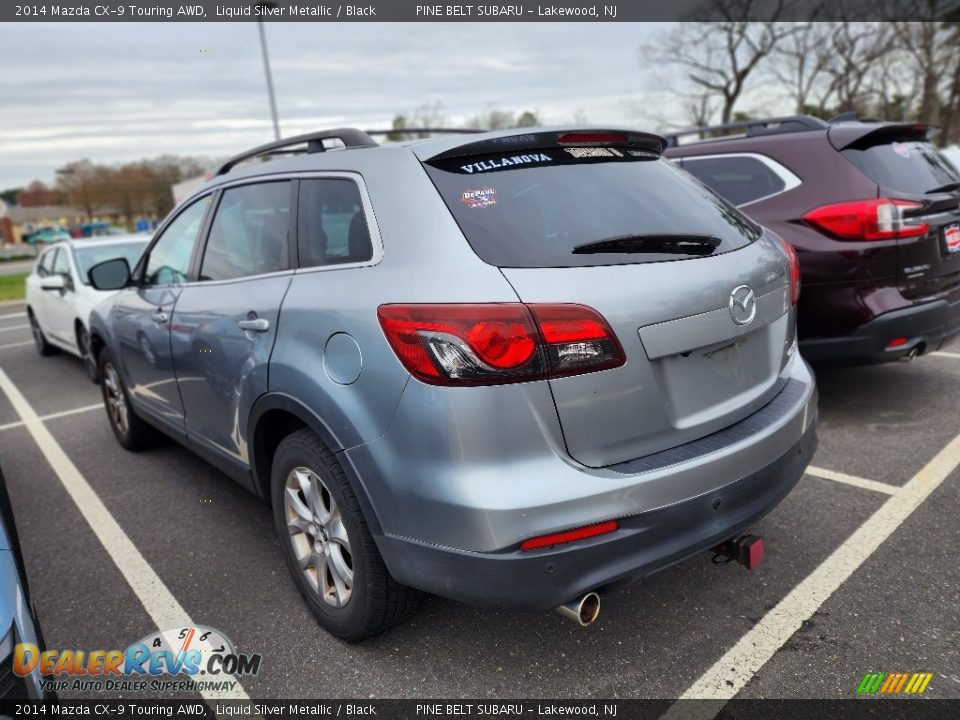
<point>861,571</point>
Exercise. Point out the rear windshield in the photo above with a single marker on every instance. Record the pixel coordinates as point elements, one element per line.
<point>908,167</point>
<point>531,209</point>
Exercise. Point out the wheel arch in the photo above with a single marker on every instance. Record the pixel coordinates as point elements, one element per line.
<point>97,341</point>
<point>276,415</point>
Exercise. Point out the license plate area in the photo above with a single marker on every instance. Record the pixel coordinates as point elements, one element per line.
<point>951,239</point>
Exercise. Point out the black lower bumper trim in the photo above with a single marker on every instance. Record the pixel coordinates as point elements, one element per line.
<point>644,544</point>
<point>928,325</point>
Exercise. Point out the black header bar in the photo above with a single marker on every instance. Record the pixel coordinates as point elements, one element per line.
<point>426,11</point>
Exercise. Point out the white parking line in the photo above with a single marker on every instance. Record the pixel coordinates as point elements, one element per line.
<point>16,344</point>
<point>157,600</point>
<point>14,327</point>
<point>12,315</point>
<point>859,482</point>
<point>65,413</point>
<point>54,416</point>
<point>955,356</point>
<point>734,670</point>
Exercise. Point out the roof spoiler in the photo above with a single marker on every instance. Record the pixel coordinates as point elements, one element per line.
<point>519,140</point>
<point>859,135</point>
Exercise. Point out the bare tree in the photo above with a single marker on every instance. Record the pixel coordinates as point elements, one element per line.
<point>799,62</point>
<point>719,57</point>
<point>951,104</point>
<point>920,42</point>
<point>528,118</point>
<point>498,119</point>
<point>701,109</point>
<point>856,48</point>
<point>428,115</point>
<point>81,183</point>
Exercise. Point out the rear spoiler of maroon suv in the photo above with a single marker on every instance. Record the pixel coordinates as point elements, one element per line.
<point>514,141</point>
<point>859,135</point>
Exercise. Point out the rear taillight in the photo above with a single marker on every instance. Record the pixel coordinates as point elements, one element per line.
<point>576,339</point>
<point>498,343</point>
<point>794,272</point>
<point>873,219</point>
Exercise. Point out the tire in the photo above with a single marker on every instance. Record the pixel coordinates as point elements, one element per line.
<point>353,595</point>
<point>131,432</point>
<point>39,340</point>
<point>90,363</point>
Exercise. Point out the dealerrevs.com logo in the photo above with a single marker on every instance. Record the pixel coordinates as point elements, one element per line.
<point>191,658</point>
<point>894,683</point>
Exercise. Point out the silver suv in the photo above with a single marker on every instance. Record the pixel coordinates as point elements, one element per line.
<point>508,368</point>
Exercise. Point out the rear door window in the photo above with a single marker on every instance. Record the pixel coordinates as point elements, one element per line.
<point>909,166</point>
<point>333,226</point>
<point>534,208</point>
<point>249,234</point>
<point>740,179</point>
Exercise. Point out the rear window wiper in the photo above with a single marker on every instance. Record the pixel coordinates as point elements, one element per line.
<point>949,187</point>
<point>673,244</point>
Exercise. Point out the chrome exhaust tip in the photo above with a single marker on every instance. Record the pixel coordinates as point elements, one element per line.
<point>914,351</point>
<point>584,611</point>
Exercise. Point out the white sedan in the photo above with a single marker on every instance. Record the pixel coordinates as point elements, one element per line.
<point>60,297</point>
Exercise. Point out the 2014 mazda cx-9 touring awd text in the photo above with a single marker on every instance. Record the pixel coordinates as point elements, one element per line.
<point>512,368</point>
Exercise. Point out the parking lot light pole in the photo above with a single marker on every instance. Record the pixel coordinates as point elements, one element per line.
<point>266,70</point>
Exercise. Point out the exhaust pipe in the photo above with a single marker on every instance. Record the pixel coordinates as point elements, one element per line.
<point>914,351</point>
<point>584,611</point>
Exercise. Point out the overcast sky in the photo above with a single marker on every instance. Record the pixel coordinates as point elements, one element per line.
<point>112,92</point>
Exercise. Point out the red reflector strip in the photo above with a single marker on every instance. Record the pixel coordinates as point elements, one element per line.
<point>896,342</point>
<point>570,535</point>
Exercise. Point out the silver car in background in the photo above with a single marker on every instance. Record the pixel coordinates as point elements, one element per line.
<point>512,368</point>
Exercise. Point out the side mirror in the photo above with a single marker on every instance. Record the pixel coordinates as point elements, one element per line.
<point>53,282</point>
<point>110,274</point>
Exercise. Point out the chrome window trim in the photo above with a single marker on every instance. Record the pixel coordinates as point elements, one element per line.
<point>790,180</point>
<point>376,240</point>
<point>373,226</point>
<point>141,266</point>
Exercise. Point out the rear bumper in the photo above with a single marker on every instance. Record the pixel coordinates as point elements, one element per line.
<point>645,543</point>
<point>928,325</point>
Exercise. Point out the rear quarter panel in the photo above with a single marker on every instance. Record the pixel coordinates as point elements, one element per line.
<point>425,260</point>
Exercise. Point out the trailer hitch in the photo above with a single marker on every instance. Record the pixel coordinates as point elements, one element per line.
<point>746,550</point>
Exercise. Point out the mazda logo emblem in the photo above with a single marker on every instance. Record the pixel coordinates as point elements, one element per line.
<point>743,305</point>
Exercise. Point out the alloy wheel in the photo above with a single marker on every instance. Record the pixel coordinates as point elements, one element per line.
<point>115,399</point>
<point>318,536</point>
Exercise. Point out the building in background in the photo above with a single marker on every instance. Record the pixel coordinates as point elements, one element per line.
<point>6,226</point>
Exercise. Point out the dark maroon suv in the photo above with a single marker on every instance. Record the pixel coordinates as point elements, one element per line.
<point>873,211</point>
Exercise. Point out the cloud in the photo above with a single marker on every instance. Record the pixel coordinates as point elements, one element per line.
<point>114,91</point>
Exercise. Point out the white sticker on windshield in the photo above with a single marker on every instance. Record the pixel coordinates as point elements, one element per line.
<point>479,197</point>
<point>901,149</point>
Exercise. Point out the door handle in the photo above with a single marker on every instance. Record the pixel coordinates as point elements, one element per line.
<point>254,325</point>
<point>160,317</point>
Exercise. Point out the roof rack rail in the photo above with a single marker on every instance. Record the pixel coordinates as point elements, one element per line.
<point>852,116</point>
<point>350,137</point>
<point>432,131</point>
<point>762,126</point>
